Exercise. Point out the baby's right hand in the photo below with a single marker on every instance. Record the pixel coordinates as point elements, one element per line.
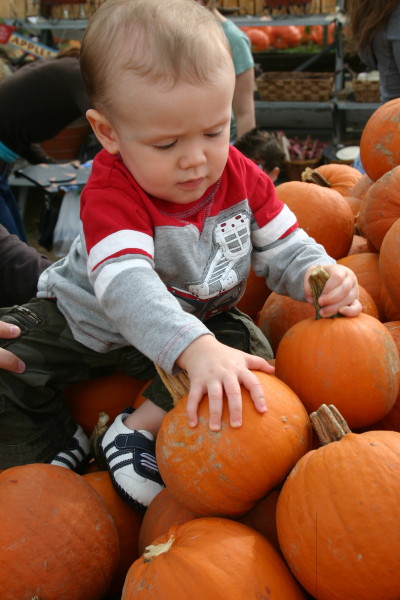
<point>216,369</point>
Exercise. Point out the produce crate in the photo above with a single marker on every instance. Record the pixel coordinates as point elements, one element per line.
<point>295,86</point>
<point>366,91</point>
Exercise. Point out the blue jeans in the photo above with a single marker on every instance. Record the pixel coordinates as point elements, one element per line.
<point>10,217</point>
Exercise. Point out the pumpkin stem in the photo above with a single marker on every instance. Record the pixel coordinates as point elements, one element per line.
<point>177,385</point>
<point>328,424</point>
<point>313,176</point>
<point>152,551</point>
<point>317,280</point>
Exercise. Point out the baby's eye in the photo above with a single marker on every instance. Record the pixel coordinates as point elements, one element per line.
<point>165,146</point>
<point>214,135</point>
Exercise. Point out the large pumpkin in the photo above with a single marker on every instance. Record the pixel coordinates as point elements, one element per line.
<point>389,263</point>
<point>338,514</point>
<point>379,143</point>
<point>380,208</point>
<point>351,362</point>
<point>210,558</point>
<point>323,213</point>
<point>280,313</point>
<point>226,472</point>
<point>58,540</point>
<point>127,521</point>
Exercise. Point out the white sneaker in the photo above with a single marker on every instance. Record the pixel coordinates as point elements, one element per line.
<point>131,460</point>
<point>77,452</point>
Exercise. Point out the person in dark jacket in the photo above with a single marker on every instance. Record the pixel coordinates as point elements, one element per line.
<point>37,101</point>
<point>20,267</point>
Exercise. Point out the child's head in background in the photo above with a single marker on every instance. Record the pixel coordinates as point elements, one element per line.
<point>264,149</point>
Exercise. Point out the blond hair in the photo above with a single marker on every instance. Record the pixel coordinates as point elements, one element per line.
<point>160,40</point>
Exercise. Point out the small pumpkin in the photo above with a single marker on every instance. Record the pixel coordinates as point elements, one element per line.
<point>352,362</point>
<point>163,512</point>
<point>262,517</point>
<point>57,538</point>
<point>338,513</point>
<point>339,177</point>
<point>210,558</point>
<point>224,473</point>
<point>109,394</point>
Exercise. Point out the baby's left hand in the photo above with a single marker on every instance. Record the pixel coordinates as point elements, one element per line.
<point>340,293</point>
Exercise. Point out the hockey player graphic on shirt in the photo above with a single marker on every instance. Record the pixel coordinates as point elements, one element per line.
<point>221,285</point>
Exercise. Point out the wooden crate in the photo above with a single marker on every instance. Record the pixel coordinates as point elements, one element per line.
<point>12,9</point>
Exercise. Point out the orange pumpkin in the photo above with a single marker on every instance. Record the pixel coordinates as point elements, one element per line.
<point>323,213</point>
<point>226,472</point>
<point>352,362</point>
<point>389,263</point>
<point>262,517</point>
<point>379,146</point>
<point>339,177</point>
<point>163,512</point>
<point>365,265</point>
<point>361,186</point>
<point>109,394</point>
<point>392,420</point>
<point>390,311</point>
<point>279,313</point>
<point>358,245</point>
<point>57,538</point>
<point>259,39</point>
<point>380,208</point>
<point>338,514</point>
<point>127,520</point>
<point>210,558</point>
<point>285,36</point>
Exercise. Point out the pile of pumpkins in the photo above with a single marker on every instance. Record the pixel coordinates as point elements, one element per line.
<point>301,502</point>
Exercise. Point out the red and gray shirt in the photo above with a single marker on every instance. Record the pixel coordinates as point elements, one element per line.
<point>148,273</point>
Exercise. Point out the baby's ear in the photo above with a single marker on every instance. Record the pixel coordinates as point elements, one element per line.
<point>103,130</point>
<point>274,174</point>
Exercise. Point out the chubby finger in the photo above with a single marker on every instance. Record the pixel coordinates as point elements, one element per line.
<point>352,310</point>
<point>234,396</point>
<point>215,401</point>
<point>253,385</point>
<point>195,396</point>
<point>9,331</point>
<point>10,362</point>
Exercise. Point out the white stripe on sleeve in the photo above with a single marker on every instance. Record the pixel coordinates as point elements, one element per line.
<point>109,272</point>
<point>118,241</point>
<point>273,230</point>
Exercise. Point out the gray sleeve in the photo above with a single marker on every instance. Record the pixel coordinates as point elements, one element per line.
<point>285,262</point>
<point>149,317</point>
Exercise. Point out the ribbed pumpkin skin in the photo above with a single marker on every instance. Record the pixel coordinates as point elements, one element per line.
<point>216,559</point>
<point>379,143</point>
<point>225,473</point>
<point>58,540</point>
<point>322,212</point>
<point>389,263</point>
<point>380,208</point>
<point>352,363</point>
<point>338,518</point>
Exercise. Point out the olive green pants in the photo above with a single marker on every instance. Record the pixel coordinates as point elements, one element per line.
<point>35,422</point>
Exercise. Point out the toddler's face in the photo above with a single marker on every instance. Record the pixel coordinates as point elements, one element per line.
<point>175,142</point>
